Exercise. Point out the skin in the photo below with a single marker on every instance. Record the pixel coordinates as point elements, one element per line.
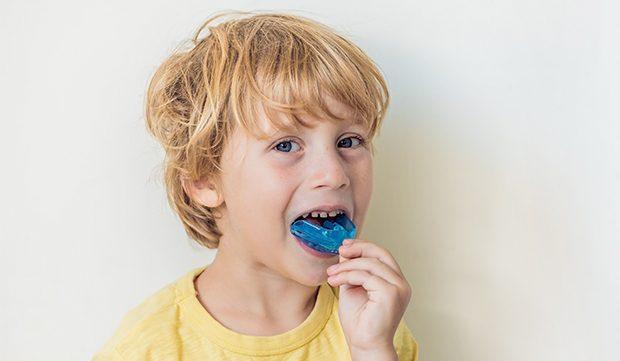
<point>261,281</point>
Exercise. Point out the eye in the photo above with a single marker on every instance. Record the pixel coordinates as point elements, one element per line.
<point>347,141</point>
<point>287,147</point>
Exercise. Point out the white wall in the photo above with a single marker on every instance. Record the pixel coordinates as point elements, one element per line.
<point>496,175</point>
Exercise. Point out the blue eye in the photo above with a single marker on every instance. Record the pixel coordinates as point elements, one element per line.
<point>349,142</point>
<point>359,140</point>
<point>285,149</point>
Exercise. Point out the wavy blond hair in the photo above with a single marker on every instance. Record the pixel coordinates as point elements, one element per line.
<point>280,62</point>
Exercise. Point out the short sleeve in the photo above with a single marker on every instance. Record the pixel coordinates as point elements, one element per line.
<point>107,355</point>
<point>404,343</point>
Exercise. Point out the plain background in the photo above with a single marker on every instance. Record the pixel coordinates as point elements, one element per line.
<point>496,184</point>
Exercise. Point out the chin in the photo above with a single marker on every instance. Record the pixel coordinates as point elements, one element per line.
<point>302,274</point>
<point>307,269</point>
<point>311,279</point>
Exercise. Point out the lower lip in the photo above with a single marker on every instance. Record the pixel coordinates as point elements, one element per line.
<point>313,251</point>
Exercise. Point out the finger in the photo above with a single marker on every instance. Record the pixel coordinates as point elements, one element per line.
<point>362,248</point>
<point>370,264</point>
<point>370,282</point>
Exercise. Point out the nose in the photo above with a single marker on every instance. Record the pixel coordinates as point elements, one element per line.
<point>329,171</point>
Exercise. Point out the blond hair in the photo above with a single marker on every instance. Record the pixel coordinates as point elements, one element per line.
<point>285,63</point>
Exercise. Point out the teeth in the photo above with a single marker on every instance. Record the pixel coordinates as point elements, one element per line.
<point>321,214</point>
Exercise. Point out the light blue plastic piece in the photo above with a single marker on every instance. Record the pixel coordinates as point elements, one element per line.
<point>327,238</point>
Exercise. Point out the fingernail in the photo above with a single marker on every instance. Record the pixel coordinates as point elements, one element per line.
<point>347,242</point>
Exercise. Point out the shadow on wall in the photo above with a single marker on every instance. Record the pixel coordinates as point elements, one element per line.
<point>478,223</point>
<point>408,208</point>
<point>405,217</point>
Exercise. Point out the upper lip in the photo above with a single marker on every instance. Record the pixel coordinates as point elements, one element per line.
<point>326,208</point>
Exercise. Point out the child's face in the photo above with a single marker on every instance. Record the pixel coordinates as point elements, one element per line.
<point>268,183</point>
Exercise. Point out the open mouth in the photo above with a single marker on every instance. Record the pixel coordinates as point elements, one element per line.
<point>323,232</point>
<point>317,219</point>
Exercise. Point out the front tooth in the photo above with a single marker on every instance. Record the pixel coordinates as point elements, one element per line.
<point>315,214</point>
<point>334,213</point>
<point>323,214</point>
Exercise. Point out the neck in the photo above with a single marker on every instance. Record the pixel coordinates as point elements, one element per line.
<point>236,287</point>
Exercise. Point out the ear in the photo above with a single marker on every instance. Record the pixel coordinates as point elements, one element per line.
<point>204,192</point>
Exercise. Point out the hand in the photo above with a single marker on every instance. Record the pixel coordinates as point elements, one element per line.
<point>373,295</point>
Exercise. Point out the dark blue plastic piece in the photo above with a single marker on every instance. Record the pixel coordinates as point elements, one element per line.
<point>327,238</point>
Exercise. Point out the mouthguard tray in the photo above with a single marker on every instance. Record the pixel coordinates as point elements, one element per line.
<point>327,238</point>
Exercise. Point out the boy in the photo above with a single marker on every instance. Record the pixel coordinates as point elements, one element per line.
<point>267,119</point>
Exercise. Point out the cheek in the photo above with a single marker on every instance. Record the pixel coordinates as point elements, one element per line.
<point>362,185</point>
<point>264,179</point>
<point>263,196</point>
<point>275,182</point>
<point>362,175</point>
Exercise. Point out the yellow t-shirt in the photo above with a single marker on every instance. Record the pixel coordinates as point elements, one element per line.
<point>173,325</point>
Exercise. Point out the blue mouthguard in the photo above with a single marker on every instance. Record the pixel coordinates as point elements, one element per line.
<point>327,238</point>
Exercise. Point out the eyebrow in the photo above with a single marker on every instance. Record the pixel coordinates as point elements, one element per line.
<point>274,133</point>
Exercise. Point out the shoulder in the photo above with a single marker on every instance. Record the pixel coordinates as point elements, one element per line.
<point>153,322</point>
<point>404,342</point>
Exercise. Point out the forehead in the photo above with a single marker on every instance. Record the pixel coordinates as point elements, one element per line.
<point>271,122</point>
